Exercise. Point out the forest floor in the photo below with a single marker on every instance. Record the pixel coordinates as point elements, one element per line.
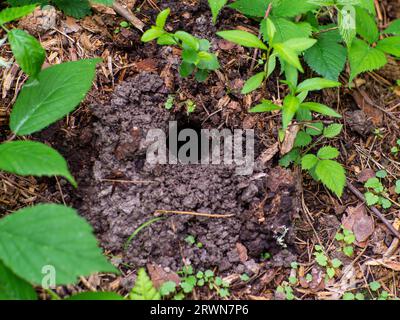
<point>257,232</point>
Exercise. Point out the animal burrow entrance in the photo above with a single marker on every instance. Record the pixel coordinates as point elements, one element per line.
<point>262,204</point>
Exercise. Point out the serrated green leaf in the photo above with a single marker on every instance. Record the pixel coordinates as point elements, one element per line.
<point>327,57</point>
<point>27,51</point>
<point>332,130</point>
<point>336,263</point>
<point>332,175</point>
<point>313,84</point>
<point>374,285</point>
<point>390,45</point>
<point>347,24</point>
<point>308,161</point>
<point>366,25</point>
<point>74,8</point>
<point>253,83</point>
<point>303,139</point>
<point>208,61</point>
<point>167,288</point>
<point>363,58</point>
<point>289,158</point>
<point>286,30</point>
<point>254,8</point>
<point>27,158</point>
<point>243,38</point>
<point>330,272</point>
<point>14,288</point>
<point>54,235</point>
<point>186,69</point>
<point>144,289</point>
<point>216,6</point>
<point>320,108</point>
<point>11,14</point>
<point>328,153</point>
<point>393,28</point>
<point>55,93</point>
<point>315,128</point>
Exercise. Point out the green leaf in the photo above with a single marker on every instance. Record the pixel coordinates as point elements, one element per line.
<point>374,183</point>
<point>288,55</point>
<point>265,106</point>
<point>374,286</point>
<point>95,296</point>
<point>166,40</point>
<point>286,30</point>
<point>393,28</point>
<point>74,8</point>
<point>332,175</point>
<point>289,158</point>
<point>330,272</point>
<point>144,289</point>
<point>308,161</point>
<point>315,128</point>
<point>27,158</point>
<point>188,40</point>
<point>347,24</point>
<point>216,6</point>
<point>290,8</point>
<point>55,93</point>
<point>201,75</point>
<point>27,51</point>
<point>168,288</point>
<point>348,296</point>
<point>186,69</point>
<point>290,106</point>
<point>366,25</point>
<point>162,18</point>
<point>381,174</point>
<point>336,263</point>
<point>327,153</point>
<point>303,139</point>
<point>385,203</point>
<point>321,259</point>
<point>327,57</point>
<point>317,84</point>
<point>254,8</point>
<point>390,45</point>
<point>11,14</point>
<point>332,130</point>
<point>397,189</point>
<point>190,56</point>
<point>208,61</point>
<point>299,44</point>
<point>242,38</point>
<point>253,83</point>
<point>104,2</point>
<point>363,58</point>
<point>320,108</point>
<point>154,33</point>
<point>54,235</point>
<point>14,288</point>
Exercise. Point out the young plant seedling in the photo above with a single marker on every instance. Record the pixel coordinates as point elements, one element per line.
<point>331,266</point>
<point>196,55</point>
<point>346,238</point>
<point>376,193</point>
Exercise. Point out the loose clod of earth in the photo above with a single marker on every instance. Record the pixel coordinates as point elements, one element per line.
<point>318,216</point>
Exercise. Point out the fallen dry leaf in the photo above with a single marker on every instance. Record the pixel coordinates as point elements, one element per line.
<point>242,252</point>
<point>365,174</point>
<point>158,275</point>
<point>359,222</point>
<point>365,104</point>
<point>290,137</point>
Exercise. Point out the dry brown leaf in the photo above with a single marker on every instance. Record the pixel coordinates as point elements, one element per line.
<point>290,137</point>
<point>360,223</point>
<point>158,275</point>
<point>269,153</point>
<point>366,174</point>
<point>372,112</point>
<point>242,252</point>
<point>149,65</point>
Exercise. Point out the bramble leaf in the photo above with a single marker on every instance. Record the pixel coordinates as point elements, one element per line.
<point>332,175</point>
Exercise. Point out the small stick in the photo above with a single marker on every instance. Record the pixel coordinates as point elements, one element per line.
<point>194,214</point>
<point>126,181</point>
<point>374,210</point>
<point>128,15</point>
<point>253,62</point>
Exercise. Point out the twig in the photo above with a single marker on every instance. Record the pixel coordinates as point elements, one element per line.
<point>374,210</point>
<point>128,15</point>
<point>253,61</point>
<point>194,214</point>
<point>126,181</point>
